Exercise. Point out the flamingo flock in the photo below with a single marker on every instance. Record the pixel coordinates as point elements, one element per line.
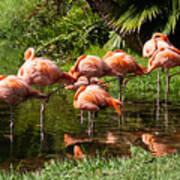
<point>91,92</point>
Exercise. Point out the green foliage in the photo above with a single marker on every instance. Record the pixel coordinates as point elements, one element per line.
<point>173,16</point>
<point>133,14</point>
<point>140,166</point>
<point>12,26</point>
<point>61,35</point>
<point>115,42</point>
<point>140,16</point>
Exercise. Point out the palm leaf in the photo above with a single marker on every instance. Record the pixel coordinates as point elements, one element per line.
<point>173,17</point>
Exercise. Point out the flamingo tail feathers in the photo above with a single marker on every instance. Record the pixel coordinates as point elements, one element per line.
<point>114,103</point>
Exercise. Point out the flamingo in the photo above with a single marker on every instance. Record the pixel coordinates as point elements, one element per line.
<point>165,58</point>
<point>92,98</point>
<point>124,64</point>
<point>14,90</point>
<point>42,72</point>
<point>158,41</point>
<point>83,81</point>
<point>91,66</point>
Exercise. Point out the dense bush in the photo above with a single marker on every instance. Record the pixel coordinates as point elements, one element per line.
<point>61,33</point>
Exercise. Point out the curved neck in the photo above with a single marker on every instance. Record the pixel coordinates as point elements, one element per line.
<point>29,54</point>
<point>81,89</point>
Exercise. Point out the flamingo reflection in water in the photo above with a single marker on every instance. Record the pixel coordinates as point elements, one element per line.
<point>157,146</point>
<point>14,90</point>
<point>42,72</point>
<point>92,98</point>
<point>76,145</point>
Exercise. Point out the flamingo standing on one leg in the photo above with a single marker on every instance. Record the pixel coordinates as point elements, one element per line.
<point>92,98</point>
<point>124,64</point>
<point>14,90</point>
<point>43,72</point>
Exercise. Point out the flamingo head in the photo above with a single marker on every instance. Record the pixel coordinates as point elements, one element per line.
<point>29,54</point>
<point>2,77</point>
<point>149,48</point>
<point>161,36</point>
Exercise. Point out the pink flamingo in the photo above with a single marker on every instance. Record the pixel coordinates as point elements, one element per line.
<point>123,64</point>
<point>42,72</point>
<point>83,81</point>
<point>92,98</point>
<point>165,58</point>
<point>158,41</point>
<point>14,90</point>
<point>91,66</point>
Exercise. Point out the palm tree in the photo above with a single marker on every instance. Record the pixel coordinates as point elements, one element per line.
<point>136,20</point>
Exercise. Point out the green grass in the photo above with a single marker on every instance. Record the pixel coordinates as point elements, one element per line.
<point>141,166</point>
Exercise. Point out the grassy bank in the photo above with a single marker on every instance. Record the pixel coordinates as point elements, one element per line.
<point>142,165</point>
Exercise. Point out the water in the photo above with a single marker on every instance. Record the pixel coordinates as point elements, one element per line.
<point>140,125</point>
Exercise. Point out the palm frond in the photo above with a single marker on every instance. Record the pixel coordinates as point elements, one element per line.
<point>173,18</point>
<point>115,42</point>
<point>132,14</point>
<point>133,18</point>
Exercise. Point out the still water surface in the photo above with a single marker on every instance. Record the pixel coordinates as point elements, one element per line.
<point>140,125</point>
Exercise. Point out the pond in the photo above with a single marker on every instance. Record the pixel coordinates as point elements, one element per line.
<point>141,124</point>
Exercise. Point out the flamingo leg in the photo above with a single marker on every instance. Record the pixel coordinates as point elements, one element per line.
<point>168,78</point>
<point>158,94</point>
<point>90,123</point>
<point>158,84</point>
<point>42,119</point>
<point>167,88</point>
<point>120,78</point>
<point>127,80</point>
<point>95,114</point>
<point>174,74</point>
<point>82,116</point>
<point>11,130</point>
